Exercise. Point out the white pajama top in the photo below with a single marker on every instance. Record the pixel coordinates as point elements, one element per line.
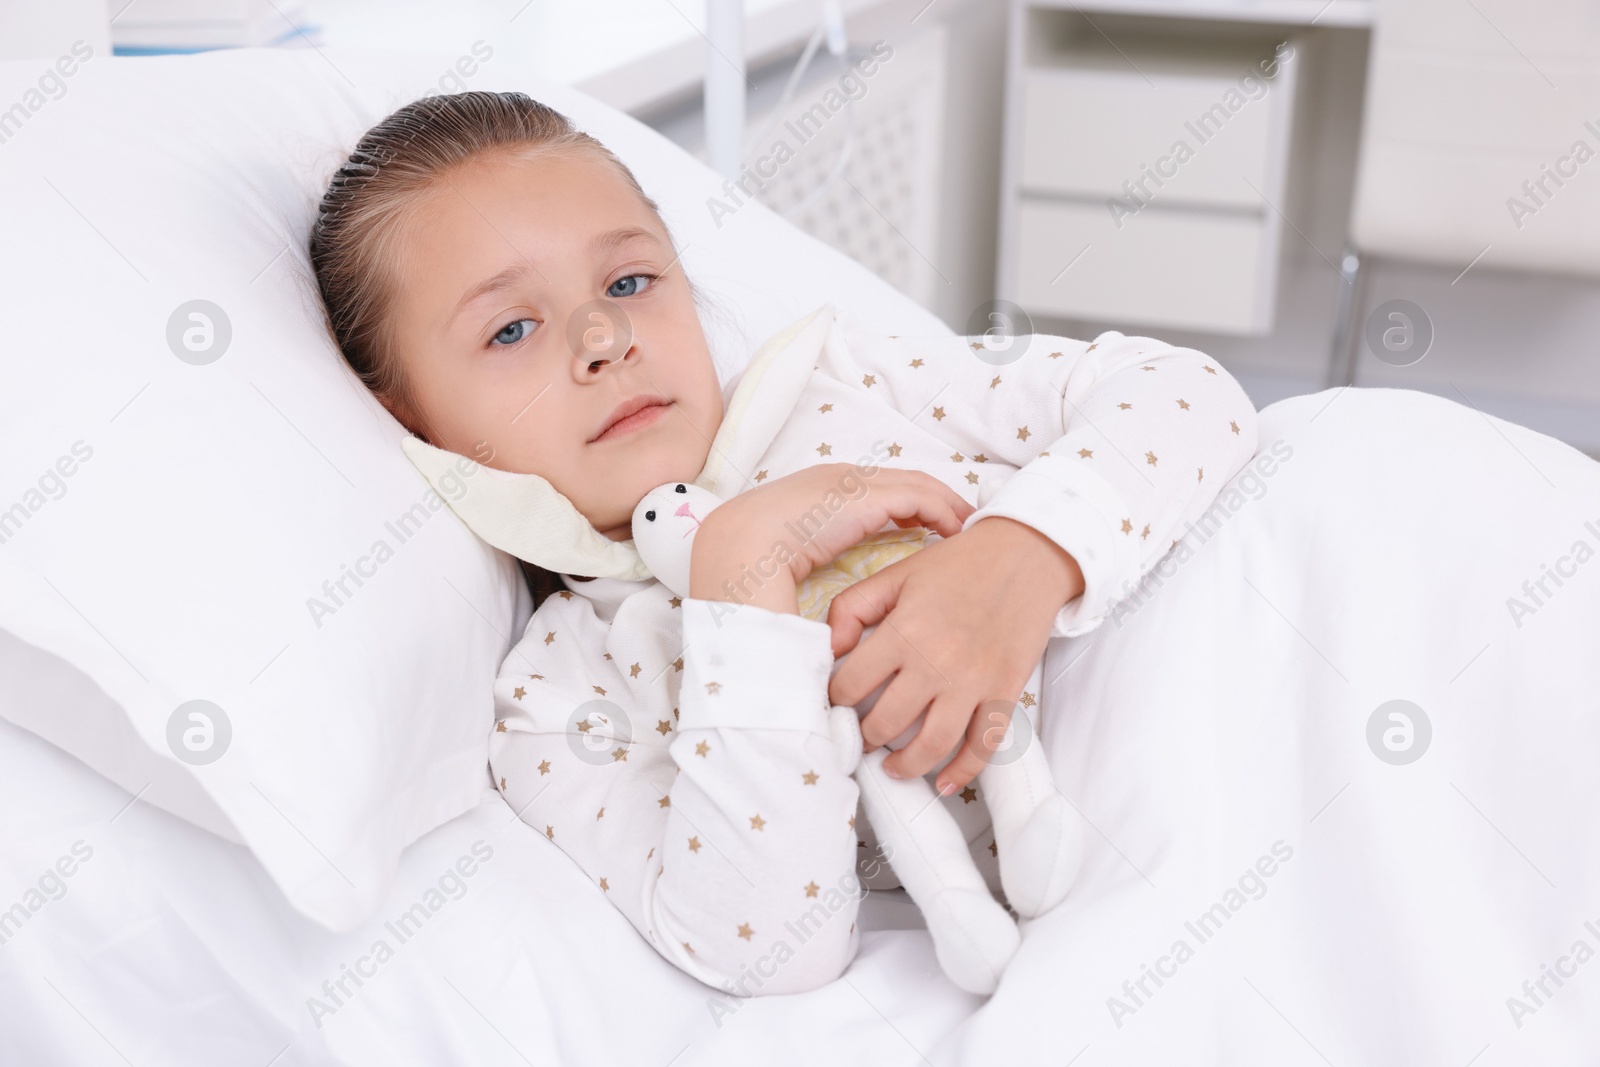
<point>680,753</point>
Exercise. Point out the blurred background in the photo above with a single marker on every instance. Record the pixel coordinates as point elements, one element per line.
<point>1316,192</point>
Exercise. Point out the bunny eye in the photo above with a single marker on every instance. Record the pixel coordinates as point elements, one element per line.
<point>650,516</point>
<point>682,488</point>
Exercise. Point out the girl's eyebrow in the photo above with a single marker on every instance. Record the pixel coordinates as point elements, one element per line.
<point>605,242</point>
<point>504,280</point>
<point>611,240</point>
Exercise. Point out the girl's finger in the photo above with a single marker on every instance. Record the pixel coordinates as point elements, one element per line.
<point>957,502</point>
<point>959,772</point>
<point>983,738</point>
<point>941,732</point>
<point>938,508</point>
<point>918,495</point>
<point>895,710</point>
<point>863,604</point>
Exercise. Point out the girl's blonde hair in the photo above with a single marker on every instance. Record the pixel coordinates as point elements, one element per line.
<point>355,239</point>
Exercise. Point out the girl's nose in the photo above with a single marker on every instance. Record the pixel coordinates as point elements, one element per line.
<point>595,364</point>
<point>600,333</point>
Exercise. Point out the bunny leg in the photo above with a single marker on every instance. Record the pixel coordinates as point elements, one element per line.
<point>973,936</point>
<point>1039,836</point>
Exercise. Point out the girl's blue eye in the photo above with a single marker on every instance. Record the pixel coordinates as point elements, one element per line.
<point>513,332</point>
<point>632,285</point>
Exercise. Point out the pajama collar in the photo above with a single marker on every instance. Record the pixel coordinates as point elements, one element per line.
<point>525,515</point>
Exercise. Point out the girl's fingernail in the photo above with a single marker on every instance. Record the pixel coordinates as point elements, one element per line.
<point>890,771</point>
<point>946,789</point>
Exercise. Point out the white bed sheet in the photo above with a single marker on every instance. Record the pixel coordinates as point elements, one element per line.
<point>171,946</point>
<point>1227,714</point>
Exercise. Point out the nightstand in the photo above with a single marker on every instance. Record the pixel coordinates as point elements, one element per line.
<point>1145,167</point>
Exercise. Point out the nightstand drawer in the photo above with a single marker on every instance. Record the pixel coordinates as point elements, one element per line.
<point>1172,138</point>
<point>1203,270</point>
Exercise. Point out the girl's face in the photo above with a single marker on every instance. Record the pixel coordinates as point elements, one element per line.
<point>496,324</point>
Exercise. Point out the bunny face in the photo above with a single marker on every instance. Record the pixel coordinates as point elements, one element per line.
<point>664,525</point>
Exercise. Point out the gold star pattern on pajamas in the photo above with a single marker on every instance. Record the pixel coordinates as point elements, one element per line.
<point>1087,442</point>
<point>678,749</point>
<point>703,833</point>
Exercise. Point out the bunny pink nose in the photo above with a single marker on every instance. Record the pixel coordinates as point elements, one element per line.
<point>684,511</point>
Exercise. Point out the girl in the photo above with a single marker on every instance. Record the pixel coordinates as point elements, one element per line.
<point>678,749</point>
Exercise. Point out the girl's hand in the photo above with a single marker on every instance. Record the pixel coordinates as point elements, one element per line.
<point>758,546</point>
<point>964,622</point>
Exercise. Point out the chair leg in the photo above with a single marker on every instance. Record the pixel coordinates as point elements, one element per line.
<point>1346,330</point>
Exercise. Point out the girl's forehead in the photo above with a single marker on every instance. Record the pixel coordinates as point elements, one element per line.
<point>567,196</point>
<point>533,217</point>
<point>544,172</point>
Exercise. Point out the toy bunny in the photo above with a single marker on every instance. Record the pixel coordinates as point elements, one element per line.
<point>1037,834</point>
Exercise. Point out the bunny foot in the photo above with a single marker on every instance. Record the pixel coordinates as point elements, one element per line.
<point>1039,859</point>
<point>1039,836</point>
<point>973,937</point>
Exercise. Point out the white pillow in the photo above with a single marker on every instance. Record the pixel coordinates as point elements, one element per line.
<point>173,530</point>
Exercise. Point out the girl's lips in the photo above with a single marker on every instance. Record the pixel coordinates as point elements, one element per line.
<point>639,419</point>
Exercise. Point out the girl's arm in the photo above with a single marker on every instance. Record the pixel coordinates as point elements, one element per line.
<point>701,792</point>
<point>1119,446</point>
<point>1123,442</point>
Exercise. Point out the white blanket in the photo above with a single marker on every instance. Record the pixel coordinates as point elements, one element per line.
<point>1222,725</point>
<point>1383,560</point>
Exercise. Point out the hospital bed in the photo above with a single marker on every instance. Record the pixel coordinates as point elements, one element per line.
<point>322,874</point>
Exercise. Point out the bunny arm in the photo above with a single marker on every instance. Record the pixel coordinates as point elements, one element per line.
<point>1038,834</point>
<point>973,936</point>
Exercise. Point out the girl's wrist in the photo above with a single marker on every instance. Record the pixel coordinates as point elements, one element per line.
<point>1059,569</point>
<point>720,570</point>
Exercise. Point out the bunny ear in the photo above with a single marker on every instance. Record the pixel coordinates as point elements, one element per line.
<point>762,402</point>
<point>523,514</point>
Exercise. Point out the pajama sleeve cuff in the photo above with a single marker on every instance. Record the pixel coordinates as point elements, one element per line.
<point>1081,512</point>
<point>748,666</point>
